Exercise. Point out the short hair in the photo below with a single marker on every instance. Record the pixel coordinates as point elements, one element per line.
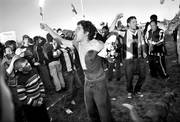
<point>155,21</point>
<point>25,36</point>
<point>59,29</point>
<point>130,18</point>
<point>30,41</point>
<point>11,44</point>
<point>88,27</point>
<point>49,37</point>
<point>36,40</point>
<point>18,62</point>
<point>153,17</point>
<point>105,27</point>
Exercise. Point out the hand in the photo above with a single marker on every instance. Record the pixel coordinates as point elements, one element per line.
<point>144,55</point>
<point>15,58</point>
<point>118,16</point>
<point>36,63</point>
<point>40,101</point>
<point>153,43</point>
<point>43,26</point>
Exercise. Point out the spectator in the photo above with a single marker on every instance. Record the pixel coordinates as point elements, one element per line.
<point>41,61</point>
<point>55,66</point>
<point>31,92</point>
<point>157,62</point>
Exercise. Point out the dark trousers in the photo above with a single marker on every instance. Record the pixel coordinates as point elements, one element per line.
<point>45,76</point>
<point>36,114</point>
<point>157,65</point>
<point>19,113</point>
<point>97,101</point>
<point>133,66</point>
<point>73,84</point>
<point>115,65</point>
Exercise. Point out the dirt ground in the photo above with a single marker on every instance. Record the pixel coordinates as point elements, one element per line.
<point>153,89</point>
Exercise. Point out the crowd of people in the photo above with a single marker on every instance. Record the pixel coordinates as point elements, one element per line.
<point>86,56</point>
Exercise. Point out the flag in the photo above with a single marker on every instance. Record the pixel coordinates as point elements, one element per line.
<point>73,9</point>
<point>41,11</point>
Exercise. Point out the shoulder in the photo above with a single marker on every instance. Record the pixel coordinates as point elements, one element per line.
<point>96,45</point>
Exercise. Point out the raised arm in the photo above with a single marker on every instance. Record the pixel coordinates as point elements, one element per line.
<point>113,25</point>
<point>65,42</point>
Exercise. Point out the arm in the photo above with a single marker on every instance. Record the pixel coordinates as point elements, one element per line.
<point>113,25</point>
<point>141,44</point>
<point>55,35</point>
<point>11,66</point>
<point>161,37</point>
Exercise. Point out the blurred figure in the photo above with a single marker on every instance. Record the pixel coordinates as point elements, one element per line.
<point>6,103</point>
<point>1,51</point>
<point>10,76</point>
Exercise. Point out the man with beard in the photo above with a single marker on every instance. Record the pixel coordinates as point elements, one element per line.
<point>31,92</point>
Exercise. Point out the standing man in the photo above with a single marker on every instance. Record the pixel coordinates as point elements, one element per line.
<point>96,95</point>
<point>133,54</point>
<point>134,57</point>
<point>157,62</point>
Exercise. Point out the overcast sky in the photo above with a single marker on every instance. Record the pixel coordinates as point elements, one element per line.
<point>23,16</point>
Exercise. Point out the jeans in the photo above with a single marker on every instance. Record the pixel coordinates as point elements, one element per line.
<point>97,101</point>
<point>36,114</point>
<point>55,68</point>
<point>135,66</point>
<point>116,64</point>
<point>45,77</point>
<point>73,84</point>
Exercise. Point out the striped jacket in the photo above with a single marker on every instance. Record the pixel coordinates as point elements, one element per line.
<point>30,88</point>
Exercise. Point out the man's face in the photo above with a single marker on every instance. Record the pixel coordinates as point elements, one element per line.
<point>8,52</point>
<point>25,67</point>
<point>25,42</point>
<point>133,24</point>
<point>153,26</point>
<point>79,33</point>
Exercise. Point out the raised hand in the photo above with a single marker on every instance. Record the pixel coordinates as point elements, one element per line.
<point>44,26</point>
<point>15,58</point>
<point>120,15</point>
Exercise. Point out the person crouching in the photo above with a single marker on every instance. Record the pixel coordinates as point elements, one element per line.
<point>31,92</point>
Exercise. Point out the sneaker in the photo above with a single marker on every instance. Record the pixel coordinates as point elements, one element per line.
<point>73,102</point>
<point>68,111</point>
<point>129,96</point>
<point>113,99</point>
<point>139,94</point>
